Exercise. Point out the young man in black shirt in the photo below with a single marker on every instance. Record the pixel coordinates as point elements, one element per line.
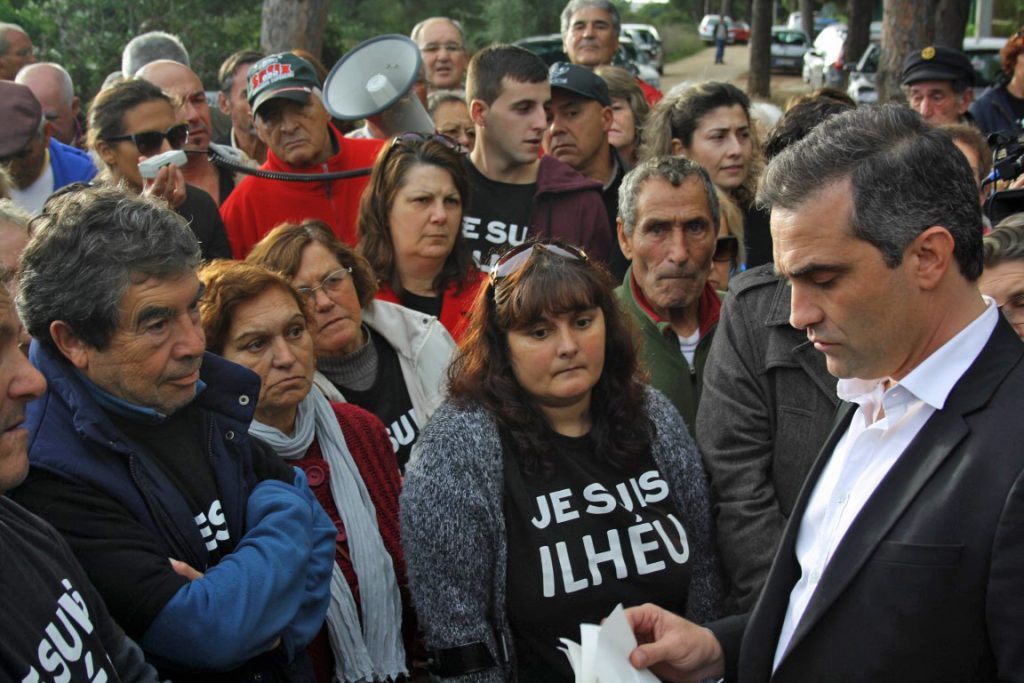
<point>518,194</point>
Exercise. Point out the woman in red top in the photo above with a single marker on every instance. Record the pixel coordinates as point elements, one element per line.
<point>255,318</point>
<point>410,228</point>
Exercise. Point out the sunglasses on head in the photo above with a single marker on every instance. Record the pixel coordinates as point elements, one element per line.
<point>150,142</point>
<point>513,259</point>
<point>412,138</point>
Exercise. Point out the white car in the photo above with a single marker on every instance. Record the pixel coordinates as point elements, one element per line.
<point>788,48</point>
<point>646,38</point>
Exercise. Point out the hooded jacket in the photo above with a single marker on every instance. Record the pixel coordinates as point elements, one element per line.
<point>993,112</point>
<point>568,206</point>
<point>259,204</point>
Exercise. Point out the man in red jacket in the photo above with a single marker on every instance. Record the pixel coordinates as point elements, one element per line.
<point>290,118</point>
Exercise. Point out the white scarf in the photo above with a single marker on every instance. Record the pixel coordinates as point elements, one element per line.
<point>374,652</point>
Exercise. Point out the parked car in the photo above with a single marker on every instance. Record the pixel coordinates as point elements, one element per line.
<point>707,28</point>
<point>788,48</point>
<point>549,47</point>
<point>823,63</point>
<point>646,38</point>
<point>819,22</point>
<point>741,32</point>
<point>636,62</point>
<point>983,53</point>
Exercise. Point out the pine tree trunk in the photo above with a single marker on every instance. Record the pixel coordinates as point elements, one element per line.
<point>859,35</point>
<point>951,23</point>
<point>902,32</point>
<point>290,24</point>
<point>759,83</point>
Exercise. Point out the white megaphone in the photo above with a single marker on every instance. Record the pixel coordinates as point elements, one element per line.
<point>375,78</point>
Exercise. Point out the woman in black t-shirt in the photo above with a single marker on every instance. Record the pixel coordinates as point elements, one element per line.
<point>554,484</point>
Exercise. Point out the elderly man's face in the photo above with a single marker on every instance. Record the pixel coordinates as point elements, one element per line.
<point>444,55</point>
<point>190,105</point>
<point>153,358</point>
<point>45,84</point>
<point>936,102</point>
<point>297,133</point>
<point>672,243</point>
<point>578,134</point>
<point>855,309</point>
<point>20,382</point>
<point>591,40</point>
<point>20,52</point>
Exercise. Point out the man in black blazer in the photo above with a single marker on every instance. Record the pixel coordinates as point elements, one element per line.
<point>903,559</point>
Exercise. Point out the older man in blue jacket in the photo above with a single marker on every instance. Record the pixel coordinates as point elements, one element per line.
<point>209,550</point>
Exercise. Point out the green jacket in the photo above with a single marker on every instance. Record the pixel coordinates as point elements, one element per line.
<point>661,356</point>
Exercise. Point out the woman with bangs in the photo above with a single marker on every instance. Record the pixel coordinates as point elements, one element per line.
<point>553,484</point>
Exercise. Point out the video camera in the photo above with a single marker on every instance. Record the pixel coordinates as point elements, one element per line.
<point>1007,164</point>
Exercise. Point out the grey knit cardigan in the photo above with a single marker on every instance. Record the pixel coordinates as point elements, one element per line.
<point>453,527</point>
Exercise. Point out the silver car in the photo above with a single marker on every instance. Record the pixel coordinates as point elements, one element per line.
<point>788,48</point>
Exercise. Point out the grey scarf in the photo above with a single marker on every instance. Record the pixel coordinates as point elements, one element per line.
<point>374,652</point>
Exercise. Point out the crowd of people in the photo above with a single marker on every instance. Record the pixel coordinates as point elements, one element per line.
<point>428,401</point>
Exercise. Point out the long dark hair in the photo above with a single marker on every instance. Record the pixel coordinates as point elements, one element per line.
<point>389,175</point>
<point>481,373</point>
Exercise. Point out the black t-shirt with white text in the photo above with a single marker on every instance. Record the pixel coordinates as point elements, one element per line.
<point>178,446</point>
<point>497,216</point>
<point>389,400</point>
<point>581,539</point>
<point>54,624</point>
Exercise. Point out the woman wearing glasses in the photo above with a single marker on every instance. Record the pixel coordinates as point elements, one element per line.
<point>383,357</point>
<point>410,228</point>
<point>133,120</point>
<point>553,484</point>
<point>255,318</point>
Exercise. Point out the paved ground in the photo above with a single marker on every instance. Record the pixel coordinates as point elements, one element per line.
<point>701,67</point>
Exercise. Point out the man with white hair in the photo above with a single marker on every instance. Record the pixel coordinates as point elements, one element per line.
<point>16,50</point>
<point>53,87</point>
<point>590,37</point>
<point>149,47</point>
<point>290,118</point>
<point>442,44</point>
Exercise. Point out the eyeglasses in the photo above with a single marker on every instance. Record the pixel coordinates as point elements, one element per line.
<point>437,47</point>
<point>1013,309</point>
<point>330,284</point>
<point>151,141</point>
<point>727,247</point>
<point>513,259</point>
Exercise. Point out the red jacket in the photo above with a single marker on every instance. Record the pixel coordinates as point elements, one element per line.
<point>257,205</point>
<point>568,206</point>
<point>651,94</point>
<point>455,306</point>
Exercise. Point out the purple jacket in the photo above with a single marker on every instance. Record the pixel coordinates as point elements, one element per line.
<point>568,206</point>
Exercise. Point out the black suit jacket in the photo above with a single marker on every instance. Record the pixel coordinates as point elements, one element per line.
<point>928,583</point>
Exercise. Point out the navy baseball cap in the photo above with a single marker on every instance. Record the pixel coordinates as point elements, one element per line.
<point>580,80</point>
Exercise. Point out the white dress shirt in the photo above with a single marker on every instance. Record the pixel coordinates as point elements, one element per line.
<point>882,427</point>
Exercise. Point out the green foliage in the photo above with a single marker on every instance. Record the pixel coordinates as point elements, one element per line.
<point>86,36</point>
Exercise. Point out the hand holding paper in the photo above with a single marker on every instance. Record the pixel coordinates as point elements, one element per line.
<point>602,656</point>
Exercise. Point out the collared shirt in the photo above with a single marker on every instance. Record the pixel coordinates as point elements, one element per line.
<point>885,423</point>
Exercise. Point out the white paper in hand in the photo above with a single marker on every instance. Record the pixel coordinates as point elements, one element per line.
<point>603,653</point>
